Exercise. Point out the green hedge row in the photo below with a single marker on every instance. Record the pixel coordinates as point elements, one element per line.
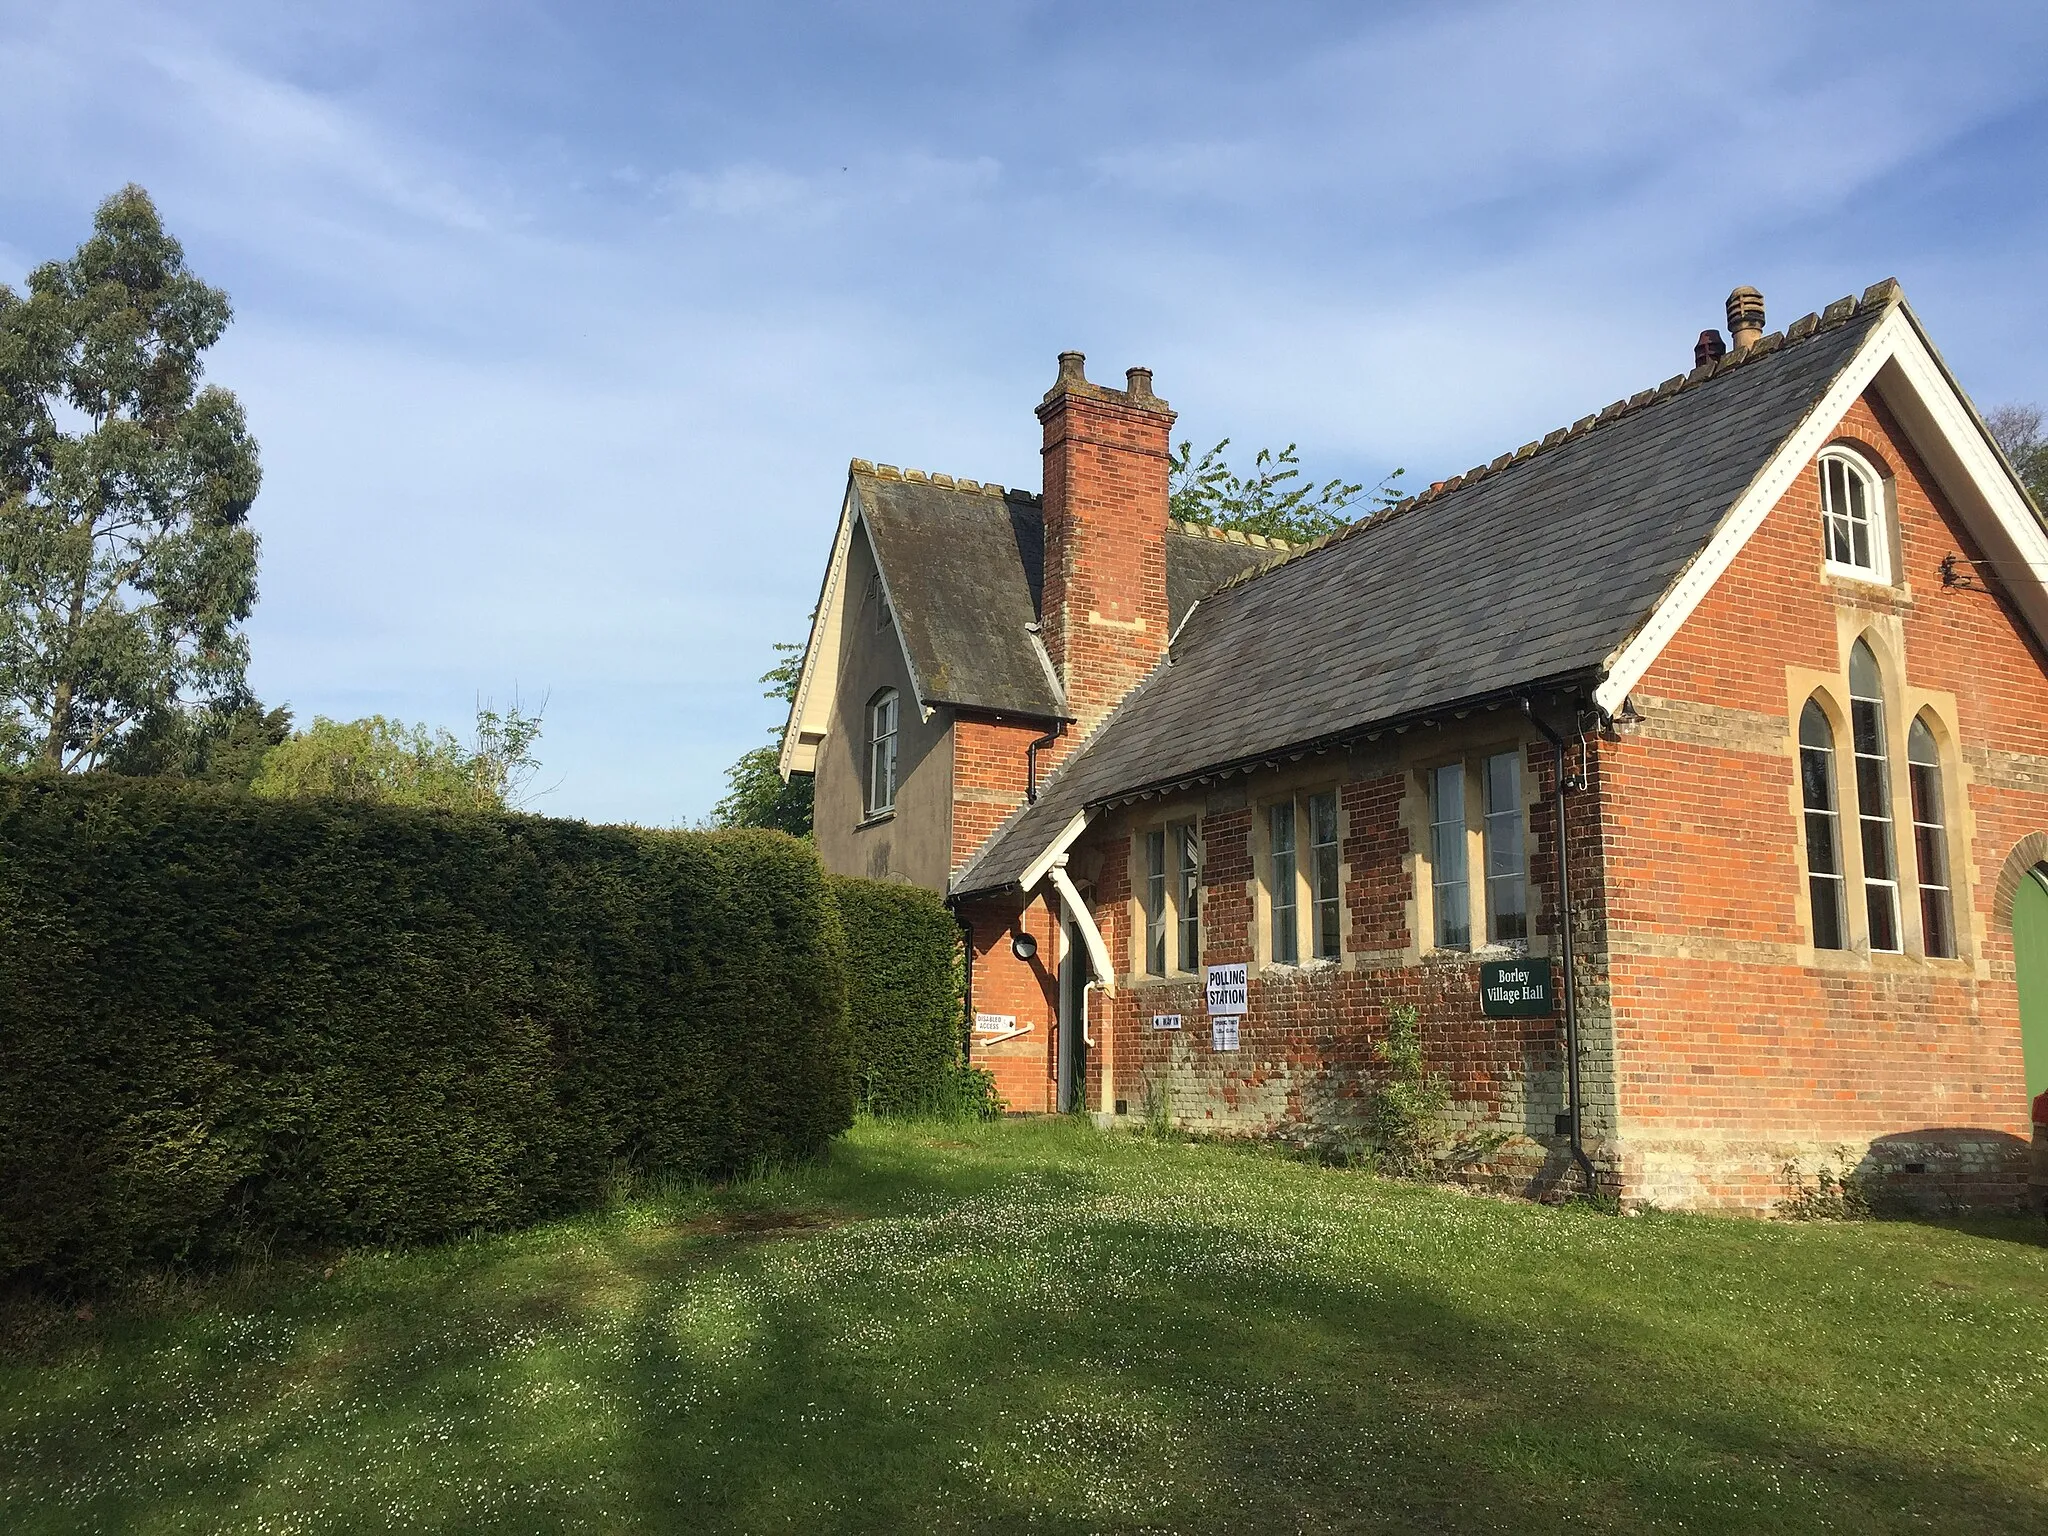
<point>902,995</point>
<point>226,1020</point>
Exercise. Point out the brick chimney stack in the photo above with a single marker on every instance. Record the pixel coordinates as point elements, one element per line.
<point>1107,457</point>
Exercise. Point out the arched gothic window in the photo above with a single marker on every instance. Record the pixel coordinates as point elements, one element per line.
<point>882,752</point>
<point>1873,797</point>
<point>1823,826</point>
<point>1852,517</point>
<point>1930,841</point>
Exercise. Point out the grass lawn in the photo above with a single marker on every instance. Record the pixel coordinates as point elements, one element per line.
<point>1036,1326</point>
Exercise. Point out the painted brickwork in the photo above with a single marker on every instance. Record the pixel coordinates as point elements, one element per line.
<point>1739,1045</point>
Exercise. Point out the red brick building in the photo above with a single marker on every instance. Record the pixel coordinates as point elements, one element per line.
<point>1770,635</point>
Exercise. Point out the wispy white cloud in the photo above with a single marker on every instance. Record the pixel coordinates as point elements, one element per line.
<point>559,329</point>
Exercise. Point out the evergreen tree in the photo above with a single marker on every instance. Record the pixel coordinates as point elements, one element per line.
<point>126,561</point>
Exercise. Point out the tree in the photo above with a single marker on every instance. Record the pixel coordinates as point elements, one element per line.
<point>1268,500</point>
<point>207,746</point>
<point>394,763</point>
<point>756,794</point>
<point>126,559</point>
<point>2018,430</point>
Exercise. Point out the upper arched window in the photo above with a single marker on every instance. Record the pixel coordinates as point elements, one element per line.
<point>1823,826</point>
<point>1852,517</point>
<point>882,752</point>
<point>1873,797</point>
<point>1930,841</point>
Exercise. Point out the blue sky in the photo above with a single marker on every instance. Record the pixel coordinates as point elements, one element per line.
<point>558,324</point>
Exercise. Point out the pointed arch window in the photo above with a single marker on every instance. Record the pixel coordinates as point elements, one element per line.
<point>1823,827</point>
<point>882,752</point>
<point>1930,841</point>
<point>1852,517</point>
<point>1873,797</point>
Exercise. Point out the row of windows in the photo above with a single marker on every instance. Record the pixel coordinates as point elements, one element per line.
<point>1870,756</point>
<point>1475,812</point>
<point>1477,823</point>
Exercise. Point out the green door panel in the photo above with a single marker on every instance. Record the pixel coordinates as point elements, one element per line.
<point>2030,949</point>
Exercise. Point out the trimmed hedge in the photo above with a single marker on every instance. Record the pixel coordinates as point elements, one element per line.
<point>226,1020</point>
<point>902,995</point>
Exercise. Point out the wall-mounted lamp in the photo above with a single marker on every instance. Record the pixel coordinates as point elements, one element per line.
<point>1627,722</point>
<point>1023,946</point>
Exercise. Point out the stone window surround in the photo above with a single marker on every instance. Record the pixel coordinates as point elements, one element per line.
<point>1166,817</point>
<point>1298,792</point>
<point>1422,933</point>
<point>1903,705</point>
<point>1877,471</point>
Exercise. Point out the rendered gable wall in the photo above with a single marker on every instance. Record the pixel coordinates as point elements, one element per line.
<point>1737,1046</point>
<point>914,844</point>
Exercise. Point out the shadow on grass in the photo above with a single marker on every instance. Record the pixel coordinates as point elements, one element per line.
<point>1026,1332</point>
<point>1226,1401</point>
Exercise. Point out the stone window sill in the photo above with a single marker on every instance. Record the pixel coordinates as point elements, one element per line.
<point>875,820</point>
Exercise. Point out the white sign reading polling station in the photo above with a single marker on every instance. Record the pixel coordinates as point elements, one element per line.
<point>1223,1032</point>
<point>1227,989</point>
<point>1166,1021</point>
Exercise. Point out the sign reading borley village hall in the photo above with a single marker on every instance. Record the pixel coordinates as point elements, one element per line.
<point>1516,989</point>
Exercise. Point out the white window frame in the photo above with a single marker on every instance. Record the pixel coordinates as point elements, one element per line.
<point>884,716</point>
<point>1933,858</point>
<point>1877,517</point>
<point>1472,887</point>
<point>1290,890</point>
<point>1870,761</point>
<point>1161,912</point>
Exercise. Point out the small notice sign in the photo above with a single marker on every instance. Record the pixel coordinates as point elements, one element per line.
<point>1166,1021</point>
<point>1228,989</point>
<point>1516,989</point>
<point>994,1023</point>
<point>1223,1032</point>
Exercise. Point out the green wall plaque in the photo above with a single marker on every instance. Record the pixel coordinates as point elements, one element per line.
<point>1516,989</point>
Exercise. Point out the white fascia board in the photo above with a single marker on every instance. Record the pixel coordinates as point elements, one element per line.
<point>1974,477</point>
<point>1091,936</point>
<point>810,711</point>
<point>1898,362</point>
<point>1625,667</point>
<point>1036,870</point>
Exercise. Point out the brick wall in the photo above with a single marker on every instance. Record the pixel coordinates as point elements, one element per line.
<point>1107,456</point>
<point>989,766</point>
<point>1024,1064</point>
<point>1304,1064</point>
<point>1739,1046</point>
<point>1716,1042</point>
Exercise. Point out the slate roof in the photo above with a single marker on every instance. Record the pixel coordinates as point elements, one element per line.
<point>1528,571</point>
<point>964,564</point>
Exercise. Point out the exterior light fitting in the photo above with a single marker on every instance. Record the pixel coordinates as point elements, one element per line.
<point>1023,946</point>
<point>1628,721</point>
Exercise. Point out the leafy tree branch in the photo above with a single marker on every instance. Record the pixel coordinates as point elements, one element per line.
<point>127,565</point>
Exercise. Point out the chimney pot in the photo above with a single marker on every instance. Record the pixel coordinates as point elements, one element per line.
<point>1710,348</point>
<point>1070,368</point>
<point>1745,317</point>
<point>1138,382</point>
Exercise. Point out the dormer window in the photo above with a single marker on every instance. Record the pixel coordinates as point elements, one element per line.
<point>1853,527</point>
